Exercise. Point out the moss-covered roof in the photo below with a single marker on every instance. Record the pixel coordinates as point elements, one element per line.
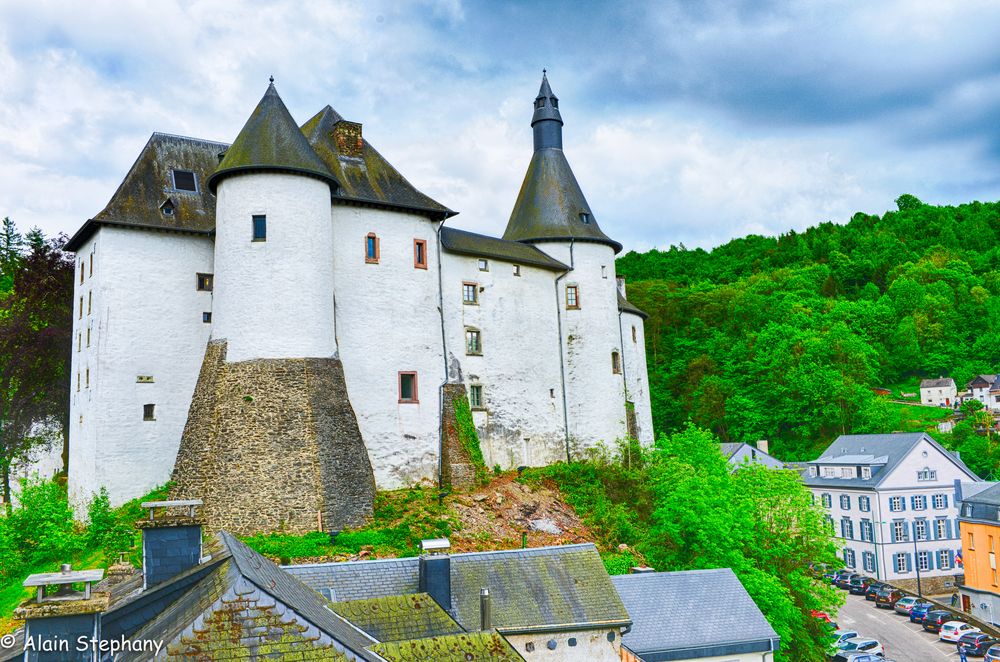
<point>367,176</point>
<point>399,617</point>
<point>626,306</point>
<point>480,245</point>
<point>269,141</point>
<point>550,204</point>
<point>139,200</point>
<point>471,647</point>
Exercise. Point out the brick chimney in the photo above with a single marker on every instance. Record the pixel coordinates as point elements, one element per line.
<point>435,571</point>
<point>55,622</point>
<point>762,445</point>
<point>171,541</point>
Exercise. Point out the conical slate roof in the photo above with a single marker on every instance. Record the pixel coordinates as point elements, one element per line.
<point>551,205</point>
<point>549,108</point>
<point>271,141</point>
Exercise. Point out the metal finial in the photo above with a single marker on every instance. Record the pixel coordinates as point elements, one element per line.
<point>271,79</point>
<point>543,72</point>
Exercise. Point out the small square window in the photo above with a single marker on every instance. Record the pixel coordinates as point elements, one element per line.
<point>470,293</point>
<point>473,342</point>
<point>260,228</point>
<point>204,282</point>
<point>408,387</point>
<point>572,296</point>
<point>206,318</point>
<point>149,412</point>
<point>517,269</point>
<point>484,265</point>
<point>476,396</point>
<point>184,180</point>
<point>419,254</point>
<point>371,248</point>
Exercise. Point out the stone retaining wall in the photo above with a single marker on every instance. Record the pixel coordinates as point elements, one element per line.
<point>457,471</point>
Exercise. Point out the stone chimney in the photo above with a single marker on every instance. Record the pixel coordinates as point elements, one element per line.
<point>57,621</point>
<point>171,542</point>
<point>435,571</point>
<point>762,445</point>
<point>620,282</point>
<point>347,138</point>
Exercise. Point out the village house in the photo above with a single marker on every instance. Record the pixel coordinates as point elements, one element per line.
<point>738,453</point>
<point>979,388</point>
<point>979,521</point>
<point>890,501</point>
<point>938,392</point>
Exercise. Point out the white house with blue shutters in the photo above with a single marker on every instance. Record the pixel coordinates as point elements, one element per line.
<point>890,500</point>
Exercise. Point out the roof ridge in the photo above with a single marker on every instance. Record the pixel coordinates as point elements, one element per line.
<point>191,138</point>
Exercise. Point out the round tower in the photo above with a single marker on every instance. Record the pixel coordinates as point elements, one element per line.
<point>273,282</point>
<point>552,213</point>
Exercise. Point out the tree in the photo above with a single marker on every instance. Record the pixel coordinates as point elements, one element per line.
<point>35,345</point>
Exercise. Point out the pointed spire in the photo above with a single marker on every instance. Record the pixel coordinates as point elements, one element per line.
<point>271,141</point>
<point>547,122</point>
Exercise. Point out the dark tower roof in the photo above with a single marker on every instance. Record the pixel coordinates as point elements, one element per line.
<point>271,141</point>
<point>551,205</point>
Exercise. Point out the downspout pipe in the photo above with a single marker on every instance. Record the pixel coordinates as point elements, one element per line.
<point>444,359</point>
<point>562,361</point>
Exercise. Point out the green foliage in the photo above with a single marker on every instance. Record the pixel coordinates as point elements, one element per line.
<point>786,337</point>
<point>469,438</point>
<point>620,563</point>
<point>41,528</point>
<point>111,531</point>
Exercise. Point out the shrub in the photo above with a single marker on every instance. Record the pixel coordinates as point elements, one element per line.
<point>41,527</point>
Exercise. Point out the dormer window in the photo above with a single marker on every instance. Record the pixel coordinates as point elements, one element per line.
<point>847,472</point>
<point>866,472</point>
<point>167,208</point>
<point>555,102</point>
<point>184,180</point>
<point>926,474</point>
<point>813,471</point>
<point>539,102</point>
<point>585,218</point>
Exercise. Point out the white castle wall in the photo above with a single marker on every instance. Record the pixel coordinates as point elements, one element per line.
<point>274,298</point>
<point>636,377</point>
<point>596,395</point>
<point>521,421</point>
<point>145,318</point>
<point>387,322</point>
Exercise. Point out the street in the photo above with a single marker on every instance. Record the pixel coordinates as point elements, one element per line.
<point>903,641</point>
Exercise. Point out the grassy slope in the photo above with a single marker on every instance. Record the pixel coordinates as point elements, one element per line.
<point>915,418</point>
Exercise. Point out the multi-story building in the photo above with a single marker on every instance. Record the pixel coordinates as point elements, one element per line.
<point>891,501</point>
<point>979,388</point>
<point>980,531</point>
<point>938,392</point>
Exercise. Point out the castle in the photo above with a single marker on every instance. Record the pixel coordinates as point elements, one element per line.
<point>282,324</point>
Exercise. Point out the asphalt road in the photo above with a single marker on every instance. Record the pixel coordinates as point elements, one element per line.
<point>903,641</point>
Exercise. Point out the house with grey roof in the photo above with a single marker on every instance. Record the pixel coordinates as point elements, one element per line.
<point>890,500</point>
<point>980,524</point>
<point>693,615</point>
<point>739,453</point>
<point>938,392</point>
<point>979,389</point>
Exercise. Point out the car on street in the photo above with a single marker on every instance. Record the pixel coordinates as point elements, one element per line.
<point>919,610</point>
<point>887,597</point>
<point>840,636</point>
<point>936,618</point>
<point>976,643</point>
<point>859,585</point>
<point>993,654</point>
<point>903,605</point>
<point>858,657</point>
<point>844,581</point>
<point>861,645</point>
<point>873,590</point>
<point>835,577</point>
<point>953,630</point>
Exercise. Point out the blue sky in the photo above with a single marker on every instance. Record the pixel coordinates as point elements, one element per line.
<point>686,122</point>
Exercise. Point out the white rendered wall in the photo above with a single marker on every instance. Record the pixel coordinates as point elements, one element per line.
<point>387,322</point>
<point>145,319</point>
<point>591,645</point>
<point>596,395</point>
<point>521,421</point>
<point>636,376</point>
<point>274,298</point>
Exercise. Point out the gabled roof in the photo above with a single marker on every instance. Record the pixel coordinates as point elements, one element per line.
<point>271,141</point>
<point>480,245</point>
<point>887,450</point>
<point>148,184</point>
<point>662,605</point>
<point>988,379</point>
<point>471,647</point>
<point>367,177</point>
<point>399,617</point>
<point>535,589</point>
<point>944,382</point>
<point>626,306</point>
<point>729,449</point>
<point>550,203</point>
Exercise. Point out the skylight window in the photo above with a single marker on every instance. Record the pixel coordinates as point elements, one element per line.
<point>184,180</point>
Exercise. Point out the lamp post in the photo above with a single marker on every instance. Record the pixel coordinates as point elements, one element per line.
<point>916,564</point>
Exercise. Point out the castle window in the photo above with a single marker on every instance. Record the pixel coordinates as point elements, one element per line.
<point>484,265</point>
<point>419,254</point>
<point>90,302</point>
<point>78,381</point>
<point>604,271</point>
<point>585,218</point>
<point>470,293</point>
<point>88,336</point>
<point>371,248</point>
<point>91,274</point>
<point>81,308</point>
<point>616,363</point>
<point>79,341</point>
<point>476,396</point>
<point>540,102</point>
<point>259,227</point>
<point>573,297</point>
<point>167,207</point>
<point>204,282</point>
<point>408,387</point>
<point>149,412</point>
<point>206,318</point>
<point>635,334</point>
<point>83,265</point>
<point>517,269</point>
<point>184,180</point>
<point>473,341</point>
<point>87,382</point>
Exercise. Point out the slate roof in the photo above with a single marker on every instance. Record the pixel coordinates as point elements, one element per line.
<point>368,177</point>
<point>944,382</point>
<point>464,242</point>
<point>564,587</point>
<point>271,141</point>
<point>471,647</point>
<point>886,450</point>
<point>399,617</point>
<point>989,379</point>
<point>148,184</point>
<point>626,306</point>
<point>663,604</point>
<point>729,449</point>
<point>989,496</point>
<point>550,202</point>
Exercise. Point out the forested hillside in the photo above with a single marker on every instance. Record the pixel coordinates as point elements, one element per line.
<point>784,338</point>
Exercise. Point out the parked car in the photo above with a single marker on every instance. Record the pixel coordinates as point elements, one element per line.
<point>844,581</point>
<point>935,618</point>
<point>888,597</point>
<point>821,615</point>
<point>953,630</point>
<point>903,605</point>
<point>862,645</point>
<point>835,577</point>
<point>873,590</point>
<point>919,610</point>
<point>840,636</point>
<point>976,643</point>
<point>859,585</point>
<point>993,654</point>
<point>858,657</point>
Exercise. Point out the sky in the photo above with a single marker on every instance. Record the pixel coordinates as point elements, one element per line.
<point>685,122</point>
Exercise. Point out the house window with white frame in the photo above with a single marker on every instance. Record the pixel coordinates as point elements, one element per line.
<point>940,501</point>
<point>941,529</point>
<point>864,504</point>
<point>899,531</point>
<point>920,529</point>
<point>944,559</point>
<point>919,502</point>
<point>924,561</point>
<point>826,499</point>
<point>847,528</point>
<point>868,561</point>
<point>848,472</point>
<point>845,502</point>
<point>899,562</point>
<point>829,472</point>
<point>896,504</point>
<point>866,472</point>
<point>926,474</point>
<point>849,558</point>
<point>867,530</point>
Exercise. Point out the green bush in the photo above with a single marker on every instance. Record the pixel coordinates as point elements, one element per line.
<point>41,527</point>
<point>111,530</point>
